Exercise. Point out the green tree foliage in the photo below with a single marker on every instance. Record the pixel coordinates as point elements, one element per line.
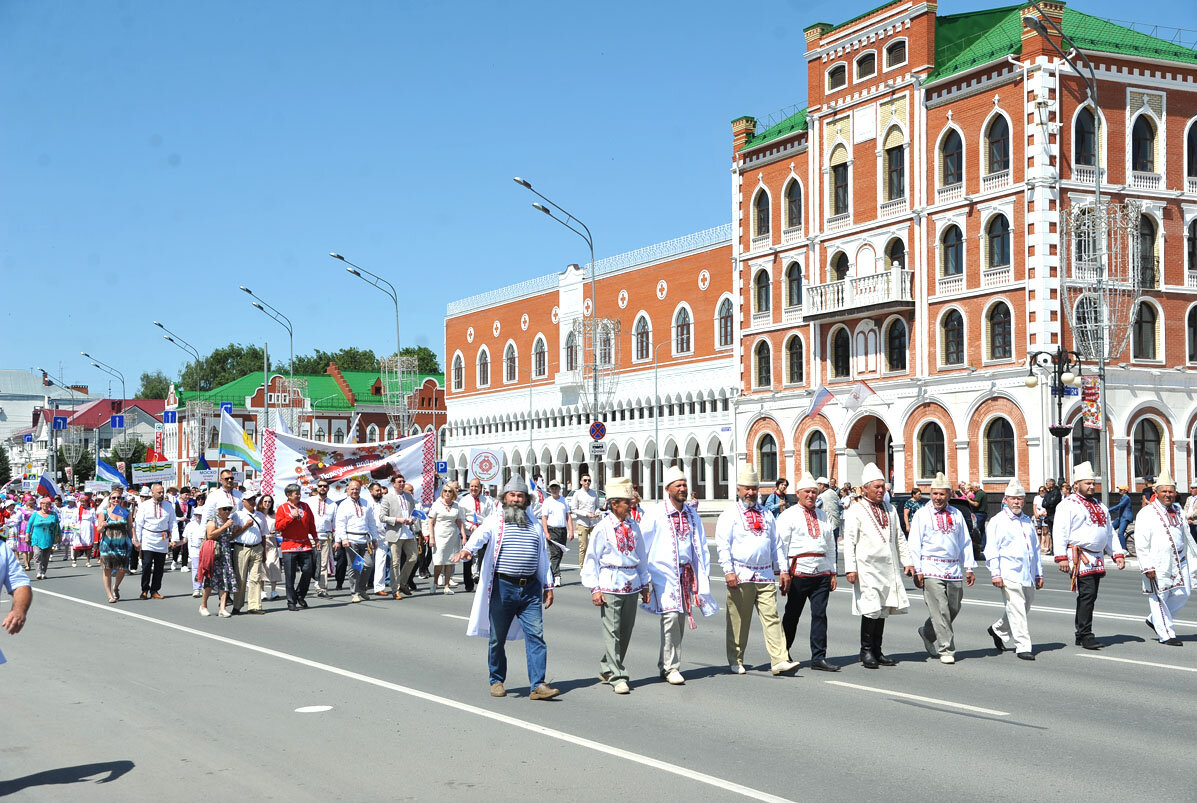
<point>223,365</point>
<point>347,359</point>
<point>5,467</point>
<point>82,469</point>
<point>154,385</point>
<point>136,455</point>
<point>428,362</point>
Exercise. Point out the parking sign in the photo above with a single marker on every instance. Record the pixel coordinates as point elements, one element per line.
<point>442,466</point>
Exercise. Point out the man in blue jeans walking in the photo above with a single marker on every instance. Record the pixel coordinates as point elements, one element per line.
<point>516,579</point>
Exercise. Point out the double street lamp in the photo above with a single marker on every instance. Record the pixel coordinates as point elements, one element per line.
<point>1065,369</point>
<point>282,320</point>
<point>108,369</point>
<point>187,348</point>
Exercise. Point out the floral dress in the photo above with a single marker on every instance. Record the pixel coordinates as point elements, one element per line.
<point>223,577</point>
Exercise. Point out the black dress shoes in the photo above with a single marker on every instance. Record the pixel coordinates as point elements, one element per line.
<point>1027,656</point>
<point>823,666</point>
<point>1089,643</point>
<point>868,660</point>
<point>997,640</point>
<point>291,606</point>
<point>1173,642</point>
<point>885,660</point>
<point>301,602</point>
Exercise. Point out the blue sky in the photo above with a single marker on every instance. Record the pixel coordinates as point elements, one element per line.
<point>156,155</point>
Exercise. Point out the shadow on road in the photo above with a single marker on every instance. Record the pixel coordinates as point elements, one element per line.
<point>66,775</point>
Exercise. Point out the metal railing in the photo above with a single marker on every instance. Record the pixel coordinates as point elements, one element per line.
<point>894,285</point>
<point>995,181</point>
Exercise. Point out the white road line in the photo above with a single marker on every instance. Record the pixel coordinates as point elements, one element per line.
<point>552,733</point>
<point>921,699</point>
<point>456,616</point>
<point>1140,663</point>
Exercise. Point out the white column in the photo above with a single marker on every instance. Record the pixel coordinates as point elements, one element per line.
<point>900,467</point>
<point>840,466</point>
<point>1119,463</point>
<point>962,461</point>
<point>709,487</point>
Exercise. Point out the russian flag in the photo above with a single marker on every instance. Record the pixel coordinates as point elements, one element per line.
<point>46,487</point>
<point>822,397</point>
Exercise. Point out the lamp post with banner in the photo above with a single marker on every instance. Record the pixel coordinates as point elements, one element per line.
<point>1064,368</point>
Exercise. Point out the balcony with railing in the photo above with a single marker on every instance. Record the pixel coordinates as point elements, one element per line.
<point>890,208</point>
<point>1146,181</point>
<point>1191,185</point>
<point>995,181</point>
<point>759,242</point>
<point>952,192</point>
<point>997,276</point>
<point>837,222</point>
<point>791,235</point>
<point>860,295</point>
<point>946,285</point>
<point>791,314</point>
<point>762,318</point>
<point>1087,174</point>
<point>1191,278</point>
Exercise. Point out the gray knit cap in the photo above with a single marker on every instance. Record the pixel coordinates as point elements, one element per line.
<point>516,484</point>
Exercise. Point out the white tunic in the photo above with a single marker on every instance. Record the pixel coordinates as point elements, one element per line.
<point>86,534</point>
<point>811,554</point>
<point>491,532</point>
<point>751,553</point>
<point>1085,525</point>
<point>477,509</point>
<point>1012,549</point>
<point>1163,544</point>
<point>356,522</point>
<point>325,513</point>
<point>674,538</point>
<point>877,552</point>
<point>154,525</point>
<point>616,559</point>
<point>939,543</point>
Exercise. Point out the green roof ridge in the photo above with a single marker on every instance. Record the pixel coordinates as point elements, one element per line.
<point>795,122</point>
<point>1093,33</point>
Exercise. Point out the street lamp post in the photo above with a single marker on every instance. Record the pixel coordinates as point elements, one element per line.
<point>285,322</point>
<point>188,349</point>
<point>108,369</point>
<point>585,235</point>
<point>52,458</point>
<point>1062,363</point>
<point>658,463</point>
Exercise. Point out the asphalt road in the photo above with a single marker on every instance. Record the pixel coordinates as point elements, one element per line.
<point>144,700</point>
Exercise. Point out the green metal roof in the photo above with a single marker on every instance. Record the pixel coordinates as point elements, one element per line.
<point>795,122</point>
<point>322,389</point>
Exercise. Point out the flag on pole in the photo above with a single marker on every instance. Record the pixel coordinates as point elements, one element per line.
<point>353,428</point>
<point>822,397</point>
<point>280,423</point>
<point>107,473</point>
<point>859,394</point>
<point>46,487</point>
<point>236,444</point>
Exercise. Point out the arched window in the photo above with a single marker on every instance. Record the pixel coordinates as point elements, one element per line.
<point>642,339</point>
<point>681,332</point>
<point>997,145</point>
<point>320,433</point>
<point>931,450</point>
<point>895,165</point>
<point>839,267</point>
<point>1191,247</point>
<point>1143,338</point>
<point>1147,448</point>
<point>604,346</point>
<point>761,285</point>
<point>895,346</point>
<point>951,159</point>
<point>951,251</point>
<point>1148,270</point>
<point>794,285</point>
<point>1000,340</point>
<point>458,372</point>
<point>793,205</point>
<point>795,361</point>
<point>841,353</point>
<point>483,368</point>
<point>866,65</point>
<point>837,77</point>
<point>1191,161</point>
<point>895,54</point>
<point>997,235</point>
<point>339,435</point>
<point>839,180</point>
<point>764,365</point>
<point>571,352</point>
<point>372,433</point>
<point>725,322</point>
<point>999,448</point>
<point>952,334</point>
<point>760,212</point>
<point>392,432</point>
<point>1085,443</point>
<point>895,253</point>
<point>816,454</point>
<point>1084,138</point>
<point>1143,145</point>
<point>766,452</point>
<point>539,358</point>
<point>1191,332</point>
<point>509,364</point>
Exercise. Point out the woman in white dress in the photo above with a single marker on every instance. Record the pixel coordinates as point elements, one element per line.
<point>446,525</point>
<point>272,562</point>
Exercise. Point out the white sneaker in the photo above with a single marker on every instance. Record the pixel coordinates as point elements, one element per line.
<point>449,590</point>
<point>195,594</point>
<point>173,567</point>
<point>74,564</point>
<point>784,666</point>
<point>675,678</point>
<point>184,568</point>
<point>452,583</point>
<point>205,612</point>
<point>224,615</point>
<point>263,596</point>
<point>738,669</point>
<point>947,659</point>
<point>355,598</point>
<point>621,687</point>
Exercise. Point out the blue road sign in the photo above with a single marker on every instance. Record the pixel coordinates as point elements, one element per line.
<point>598,430</point>
<point>1068,391</point>
<point>442,466</point>
<point>28,437</point>
<point>60,422</point>
<point>117,422</point>
<point>170,416</point>
<point>226,407</point>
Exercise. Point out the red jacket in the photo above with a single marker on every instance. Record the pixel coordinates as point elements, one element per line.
<point>296,533</point>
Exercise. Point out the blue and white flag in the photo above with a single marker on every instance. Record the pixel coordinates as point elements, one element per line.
<point>106,473</point>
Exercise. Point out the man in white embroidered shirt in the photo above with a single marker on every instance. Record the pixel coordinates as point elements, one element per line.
<point>749,553</point>
<point>1165,551</point>
<point>249,531</point>
<point>808,538</point>
<point>942,551</point>
<point>1012,554</point>
<point>152,530</point>
<point>357,531</point>
<point>325,512</point>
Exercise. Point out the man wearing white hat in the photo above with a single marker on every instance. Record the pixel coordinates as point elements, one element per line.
<point>942,552</point>
<point>750,555</point>
<point>875,557</point>
<point>1165,550</point>
<point>1012,555</point>
<point>680,567</point>
<point>1081,538</point>
<point>808,540</point>
<point>616,572</point>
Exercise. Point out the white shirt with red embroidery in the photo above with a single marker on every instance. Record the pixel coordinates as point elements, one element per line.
<point>1163,545</point>
<point>1084,523</point>
<point>939,543</point>
<point>616,557</point>
<point>808,541</point>
<point>747,544</point>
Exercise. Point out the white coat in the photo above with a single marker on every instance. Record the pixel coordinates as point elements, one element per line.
<point>492,530</point>
<point>664,567</point>
<point>1012,549</point>
<point>878,556</point>
<point>1165,546</point>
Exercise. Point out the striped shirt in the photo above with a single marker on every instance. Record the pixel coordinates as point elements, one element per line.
<point>519,552</point>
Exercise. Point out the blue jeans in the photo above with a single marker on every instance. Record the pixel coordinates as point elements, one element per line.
<point>509,601</point>
<point>1122,532</point>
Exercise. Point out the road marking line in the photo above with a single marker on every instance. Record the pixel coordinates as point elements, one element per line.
<point>1140,663</point>
<point>552,733</point>
<point>932,700</point>
<point>456,616</point>
<point>313,709</point>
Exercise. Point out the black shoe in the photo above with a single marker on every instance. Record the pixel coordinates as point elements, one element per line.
<point>1090,643</point>
<point>868,660</point>
<point>236,611</point>
<point>1173,642</point>
<point>144,595</point>
<point>997,640</point>
<point>413,588</point>
<point>340,586</point>
<point>823,666</point>
<point>256,612</point>
<point>291,606</point>
<point>1027,656</point>
<point>301,602</point>
<point>1150,626</point>
<point>885,660</point>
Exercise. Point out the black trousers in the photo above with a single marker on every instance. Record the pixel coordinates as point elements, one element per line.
<point>1086,598</point>
<point>152,564</point>
<point>305,564</point>
<point>817,590</point>
<point>557,535</point>
<point>339,565</point>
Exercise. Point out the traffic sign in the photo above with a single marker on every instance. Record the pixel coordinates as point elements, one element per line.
<point>598,430</point>
<point>28,437</point>
<point>60,422</point>
<point>442,466</point>
<point>117,422</point>
<point>170,416</point>
<point>598,449</point>
<point>226,407</point>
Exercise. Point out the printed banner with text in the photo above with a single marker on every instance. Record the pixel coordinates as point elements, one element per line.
<point>1091,402</point>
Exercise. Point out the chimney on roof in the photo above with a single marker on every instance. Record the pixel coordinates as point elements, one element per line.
<point>1033,43</point>
<point>742,130</point>
<point>339,378</point>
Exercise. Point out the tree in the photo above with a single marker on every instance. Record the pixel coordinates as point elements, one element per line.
<point>5,467</point>
<point>137,452</point>
<point>347,359</point>
<point>154,385</point>
<point>82,469</point>
<point>427,361</point>
<point>222,366</point>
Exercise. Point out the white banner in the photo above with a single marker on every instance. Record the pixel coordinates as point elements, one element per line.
<point>486,465</point>
<point>97,486</point>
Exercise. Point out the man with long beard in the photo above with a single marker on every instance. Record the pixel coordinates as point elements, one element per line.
<point>515,581</point>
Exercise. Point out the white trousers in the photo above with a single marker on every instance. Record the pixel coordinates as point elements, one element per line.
<point>382,556</point>
<point>1013,624</point>
<point>1162,607</point>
